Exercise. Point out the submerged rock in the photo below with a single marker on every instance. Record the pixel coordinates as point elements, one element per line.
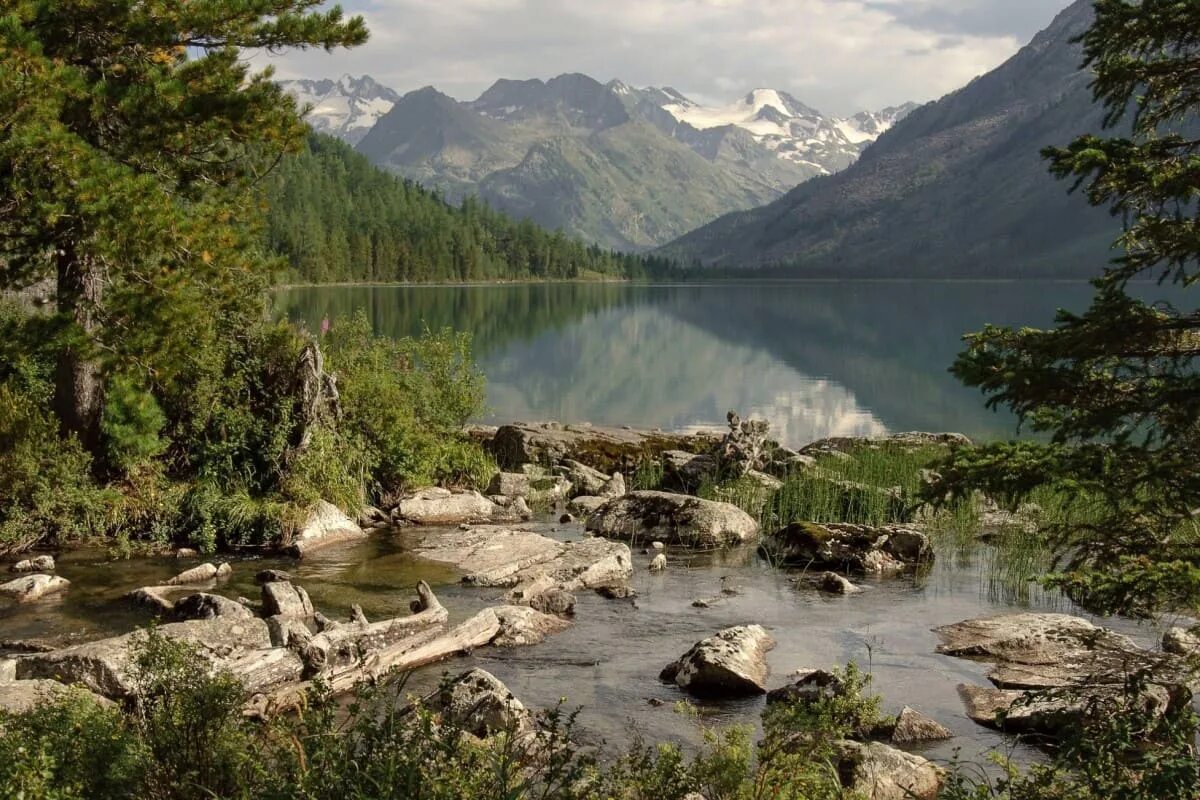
<point>733,663</point>
<point>325,525</point>
<point>860,548</point>
<point>675,519</point>
<point>877,771</point>
<point>34,587</point>
<point>37,564</point>
<point>205,573</point>
<point>832,583</point>
<point>659,563</point>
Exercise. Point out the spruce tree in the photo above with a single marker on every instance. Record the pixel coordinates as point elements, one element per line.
<point>132,133</point>
<point>1114,392</point>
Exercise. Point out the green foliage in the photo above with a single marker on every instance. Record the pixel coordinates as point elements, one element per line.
<point>131,424</point>
<point>336,217</point>
<point>1114,390</point>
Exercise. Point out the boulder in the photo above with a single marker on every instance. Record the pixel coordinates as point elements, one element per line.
<point>658,563</point>
<point>1050,714</point>
<point>209,606</point>
<point>504,557</point>
<point>913,727</point>
<point>104,666</point>
<point>36,564</point>
<point>621,592</point>
<point>510,484</point>
<point>159,599</point>
<point>585,505</point>
<point>34,587</point>
<point>686,471</point>
<point>584,479</point>
<point>833,583</point>
<point>478,703</point>
<point>17,697</point>
<point>521,626</point>
<point>844,546</point>
<point>554,601</point>
<point>614,486</point>
<point>283,599</point>
<point>673,518</point>
<point>8,670</point>
<point>205,573</point>
<point>809,686</point>
<point>876,771</point>
<point>1182,641</point>
<point>444,507</point>
<point>603,448</point>
<point>1041,651</point>
<point>732,663</point>
<point>324,526</point>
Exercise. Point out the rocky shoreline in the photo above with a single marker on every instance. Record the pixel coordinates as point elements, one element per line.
<point>280,643</point>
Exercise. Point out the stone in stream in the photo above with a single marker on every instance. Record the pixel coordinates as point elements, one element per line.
<point>809,686</point>
<point>832,583</point>
<point>37,564</point>
<point>733,663</point>
<point>586,504</point>
<point>554,601</point>
<point>443,507</point>
<point>1050,714</point>
<point>861,548</point>
<point>265,576</point>
<point>324,526</point>
<point>478,703</point>
<point>912,727</point>
<point>521,626</point>
<point>105,666</point>
<point>659,563</point>
<point>877,771</point>
<point>205,573</point>
<point>209,606</point>
<point>505,557</point>
<point>34,587</point>
<point>284,599</point>
<point>1181,641</point>
<point>675,519</point>
<point>159,599</point>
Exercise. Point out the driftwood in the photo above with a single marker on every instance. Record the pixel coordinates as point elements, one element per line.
<point>343,645</point>
<point>418,650</point>
<point>317,397</point>
<point>263,669</point>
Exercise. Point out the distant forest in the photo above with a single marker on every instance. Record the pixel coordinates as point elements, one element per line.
<point>336,217</point>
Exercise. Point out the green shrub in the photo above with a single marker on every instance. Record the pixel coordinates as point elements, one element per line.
<point>131,424</point>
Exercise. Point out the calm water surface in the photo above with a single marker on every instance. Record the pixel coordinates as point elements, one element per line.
<point>815,358</point>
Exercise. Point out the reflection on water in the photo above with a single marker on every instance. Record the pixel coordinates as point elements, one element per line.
<point>816,359</point>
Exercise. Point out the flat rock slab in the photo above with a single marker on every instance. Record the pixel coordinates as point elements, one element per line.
<point>733,663</point>
<point>325,525</point>
<point>34,587</point>
<point>104,666</point>
<point>17,697</point>
<point>1015,711</point>
<point>605,449</point>
<point>1043,651</point>
<point>674,519</point>
<point>844,546</point>
<point>492,556</point>
<point>444,507</point>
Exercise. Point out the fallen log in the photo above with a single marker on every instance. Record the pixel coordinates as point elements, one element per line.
<point>418,650</point>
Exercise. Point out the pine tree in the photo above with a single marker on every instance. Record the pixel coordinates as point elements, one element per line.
<point>131,135</point>
<point>1115,391</point>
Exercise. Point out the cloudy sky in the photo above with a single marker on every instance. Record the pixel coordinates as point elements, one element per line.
<point>840,56</point>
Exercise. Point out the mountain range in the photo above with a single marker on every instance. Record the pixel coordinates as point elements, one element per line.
<point>956,188</point>
<point>346,108</point>
<point>624,167</point>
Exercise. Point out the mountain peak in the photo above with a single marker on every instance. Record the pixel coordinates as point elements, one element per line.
<point>347,107</point>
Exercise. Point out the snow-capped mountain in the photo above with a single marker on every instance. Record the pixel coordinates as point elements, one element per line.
<point>347,107</point>
<point>791,129</point>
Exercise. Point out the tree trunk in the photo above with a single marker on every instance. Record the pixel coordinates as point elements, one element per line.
<point>77,386</point>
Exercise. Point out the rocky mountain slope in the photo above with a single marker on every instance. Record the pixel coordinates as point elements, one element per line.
<point>957,188</point>
<point>346,108</point>
<point>624,167</point>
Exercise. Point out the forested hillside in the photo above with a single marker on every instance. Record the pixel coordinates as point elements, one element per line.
<point>335,217</point>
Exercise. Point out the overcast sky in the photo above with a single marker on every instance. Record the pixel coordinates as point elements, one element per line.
<point>840,56</point>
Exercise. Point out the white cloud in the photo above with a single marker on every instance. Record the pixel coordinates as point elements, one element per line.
<point>840,56</point>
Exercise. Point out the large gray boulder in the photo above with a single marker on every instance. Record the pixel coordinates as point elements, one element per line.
<point>877,771</point>
<point>285,599</point>
<point>34,587</point>
<point>674,519</point>
<point>478,703</point>
<point>44,563</point>
<point>105,666</point>
<point>325,525</point>
<point>203,605</point>
<point>843,546</point>
<point>1049,715</point>
<point>913,727</point>
<point>733,663</point>
<point>443,507</point>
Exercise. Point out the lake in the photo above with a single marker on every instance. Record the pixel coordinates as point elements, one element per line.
<point>815,358</point>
